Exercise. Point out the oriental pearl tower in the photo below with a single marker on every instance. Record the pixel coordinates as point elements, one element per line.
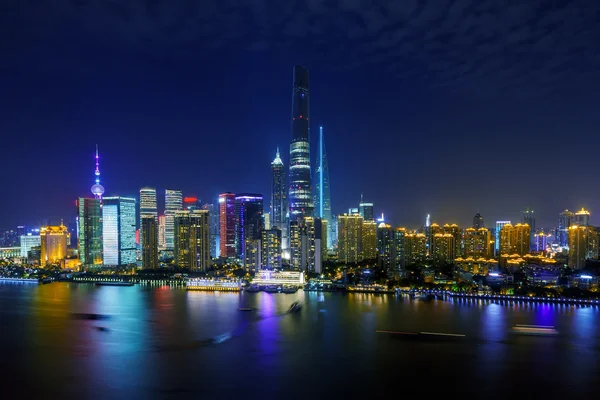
<point>97,188</point>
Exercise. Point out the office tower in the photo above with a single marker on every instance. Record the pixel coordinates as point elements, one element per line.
<point>213,217</point>
<point>564,222</point>
<point>415,248</point>
<point>118,230</point>
<point>323,190</point>
<point>528,217</point>
<point>366,210</point>
<point>333,230</point>
<point>399,242</point>
<point>227,224</point>
<point>369,240</point>
<point>457,234</point>
<point>162,232</point>
<point>350,238</point>
<point>478,243</point>
<point>278,195</point>
<point>90,231</point>
<point>249,222</point>
<point>149,242</point>
<point>173,203</point>
<point>499,225</point>
<point>583,245</point>
<point>478,221</point>
<point>581,218</point>
<point>442,248</point>
<point>385,247</point>
<point>353,210</point>
<point>297,252</point>
<point>192,240</point>
<point>311,244</point>
<point>27,242</point>
<point>540,241</point>
<point>147,205</point>
<point>270,248</point>
<point>53,240</point>
<point>300,202</point>
<point>191,203</point>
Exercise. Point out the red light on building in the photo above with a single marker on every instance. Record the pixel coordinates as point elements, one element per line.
<point>190,199</point>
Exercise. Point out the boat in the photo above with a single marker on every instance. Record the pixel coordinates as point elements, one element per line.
<point>252,289</point>
<point>272,289</point>
<point>114,283</point>
<point>289,289</point>
<point>534,330</point>
<point>294,307</point>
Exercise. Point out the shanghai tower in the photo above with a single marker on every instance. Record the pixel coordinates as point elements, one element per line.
<point>300,199</point>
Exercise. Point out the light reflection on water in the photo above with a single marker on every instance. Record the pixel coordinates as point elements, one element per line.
<point>333,331</point>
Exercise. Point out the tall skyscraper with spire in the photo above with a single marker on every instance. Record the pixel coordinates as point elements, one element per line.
<point>97,188</point>
<point>322,188</point>
<point>300,200</point>
<point>278,197</point>
<point>89,220</point>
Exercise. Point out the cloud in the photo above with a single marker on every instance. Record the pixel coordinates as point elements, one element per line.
<point>489,45</point>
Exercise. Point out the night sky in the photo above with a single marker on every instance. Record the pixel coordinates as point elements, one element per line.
<point>441,107</point>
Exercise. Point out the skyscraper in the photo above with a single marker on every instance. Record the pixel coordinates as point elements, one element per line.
<point>442,248</point>
<point>583,245</point>
<point>147,205</point>
<point>227,224</point>
<point>213,220</point>
<point>53,244</point>
<point>173,203</point>
<point>90,231</point>
<point>322,188</point>
<point>528,217</point>
<point>162,232</point>
<point>192,240</point>
<point>581,218</point>
<point>498,231</point>
<point>565,219</point>
<point>515,239</point>
<point>270,248</point>
<point>118,230</point>
<point>249,222</point>
<point>27,242</point>
<point>149,242</point>
<point>369,240</point>
<point>97,189</point>
<point>350,238</point>
<point>366,210</point>
<point>278,196</point>
<point>386,248</point>
<point>478,221</point>
<point>300,187</point>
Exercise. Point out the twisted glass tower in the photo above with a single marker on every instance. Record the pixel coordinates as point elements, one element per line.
<point>300,200</point>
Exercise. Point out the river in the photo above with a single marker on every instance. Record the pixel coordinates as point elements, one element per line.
<point>162,342</point>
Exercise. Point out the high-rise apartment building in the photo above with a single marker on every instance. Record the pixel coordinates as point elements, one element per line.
<point>386,247</point>
<point>227,223</point>
<point>583,245</point>
<point>300,200</point>
<point>173,203</point>
<point>118,230</point>
<point>498,231</point>
<point>415,248</point>
<point>581,218</point>
<point>297,251</point>
<point>90,231</point>
<point>149,242</point>
<point>53,244</point>
<point>350,238</point>
<point>528,217</point>
<point>478,243</point>
<point>192,240</point>
<point>213,217</point>
<point>147,205</point>
<point>162,232</point>
<point>565,219</point>
<point>515,239</point>
<point>369,240</point>
<point>540,241</point>
<point>478,221</point>
<point>442,248</point>
<point>249,222</point>
<point>399,243</point>
<point>457,234</point>
<point>270,248</point>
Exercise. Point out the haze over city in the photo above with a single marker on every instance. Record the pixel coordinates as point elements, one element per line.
<point>470,107</point>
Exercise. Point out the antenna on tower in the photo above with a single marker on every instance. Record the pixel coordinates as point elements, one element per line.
<point>361,197</point>
<point>97,188</point>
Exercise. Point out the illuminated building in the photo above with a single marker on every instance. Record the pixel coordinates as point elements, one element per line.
<point>149,242</point>
<point>90,231</point>
<point>478,243</point>
<point>564,222</point>
<point>173,203</point>
<point>300,201</point>
<point>97,189</point>
<point>213,216</point>
<point>369,240</point>
<point>350,237</point>
<point>581,218</point>
<point>191,203</point>
<point>270,248</point>
<point>227,224</point>
<point>296,251</point>
<point>248,224</point>
<point>415,248</point>
<point>267,220</point>
<point>192,240</point>
<point>498,231</point>
<point>583,245</point>
<point>385,247</point>
<point>278,195</point>
<point>266,277</point>
<point>53,244</point>
<point>147,205</point>
<point>540,242</point>
<point>478,221</point>
<point>366,210</point>
<point>162,232</point>
<point>399,243</point>
<point>9,253</point>
<point>515,239</point>
<point>476,266</point>
<point>353,210</point>
<point>457,234</point>
<point>324,235</point>
<point>118,230</point>
<point>213,285</point>
<point>442,248</point>
<point>528,217</point>
<point>323,191</point>
<point>313,234</point>
<point>430,231</point>
<point>27,242</point>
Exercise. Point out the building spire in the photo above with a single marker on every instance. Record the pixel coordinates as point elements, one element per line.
<point>97,188</point>
<point>277,160</point>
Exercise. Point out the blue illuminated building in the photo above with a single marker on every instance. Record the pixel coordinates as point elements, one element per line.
<point>118,230</point>
<point>323,190</point>
<point>248,223</point>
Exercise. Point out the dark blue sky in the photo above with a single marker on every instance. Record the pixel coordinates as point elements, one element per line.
<point>442,107</point>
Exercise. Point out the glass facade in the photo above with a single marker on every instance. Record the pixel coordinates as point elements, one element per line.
<point>192,240</point>
<point>90,231</point>
<point>173,203</point>
<point>118,230</point>
<point>249,223</point>
<point>227,225</point>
